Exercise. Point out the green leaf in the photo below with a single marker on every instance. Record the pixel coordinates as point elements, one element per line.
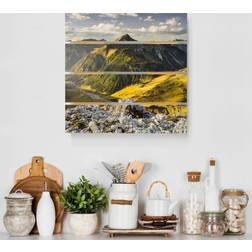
<point>83,197</point>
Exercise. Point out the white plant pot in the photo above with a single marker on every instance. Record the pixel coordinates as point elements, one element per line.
<point>82,224</point>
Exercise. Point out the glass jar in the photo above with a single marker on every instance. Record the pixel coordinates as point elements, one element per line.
<point>193,204</point>
<point>213,223</point>
<point>234,202</point>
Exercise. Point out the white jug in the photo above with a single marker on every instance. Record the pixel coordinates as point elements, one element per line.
<point>123,206</point>
<point>159,206</point>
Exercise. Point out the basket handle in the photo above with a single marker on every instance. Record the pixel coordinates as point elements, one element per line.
<point>167,193</point>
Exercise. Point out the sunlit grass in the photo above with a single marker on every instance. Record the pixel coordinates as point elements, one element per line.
<point>168,87</point>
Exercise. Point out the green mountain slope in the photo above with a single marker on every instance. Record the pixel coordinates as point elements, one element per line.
<point>73,53</point>
<point>133,57</point>
<point>110,84</point>
<point>164,88</point>
<point>128,58</point>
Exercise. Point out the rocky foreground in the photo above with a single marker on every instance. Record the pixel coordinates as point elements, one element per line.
<point>120,119</point>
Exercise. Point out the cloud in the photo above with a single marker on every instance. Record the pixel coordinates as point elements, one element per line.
<point>78,16</point>
<point>164,28</point>
<point>115,27</point>
<point>155,28</point>
<point>131,14</point>
<point>117,15</point>
<point>106,28</point>
<point>172,22</point>
<point>134,30</point>
<point>142,29</point>
<point>172,25</point>
<point>111,28</point>
<point>149,19</point>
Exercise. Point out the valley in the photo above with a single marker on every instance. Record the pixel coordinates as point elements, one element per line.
<point>142,88</point>
<point>126,87</point>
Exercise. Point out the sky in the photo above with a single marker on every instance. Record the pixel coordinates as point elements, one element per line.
<point>140,26</point>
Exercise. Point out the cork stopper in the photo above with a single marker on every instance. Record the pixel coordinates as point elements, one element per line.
<point>193,176</point>
<point>212,162</point>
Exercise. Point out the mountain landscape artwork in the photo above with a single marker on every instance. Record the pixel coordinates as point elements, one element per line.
<point>126,73</point>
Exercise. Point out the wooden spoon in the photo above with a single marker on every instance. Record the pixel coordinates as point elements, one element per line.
<point>134,171</point>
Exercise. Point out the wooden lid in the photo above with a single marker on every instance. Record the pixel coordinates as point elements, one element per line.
<point>193,176</point>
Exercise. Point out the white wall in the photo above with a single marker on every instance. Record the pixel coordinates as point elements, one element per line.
<point>32,107</point>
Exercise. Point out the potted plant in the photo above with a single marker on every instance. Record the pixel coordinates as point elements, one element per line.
<point>82,201</point>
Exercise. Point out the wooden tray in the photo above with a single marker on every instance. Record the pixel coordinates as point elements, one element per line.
<point>139,231</point>
<point>35,185</point>
<point>169,218</point>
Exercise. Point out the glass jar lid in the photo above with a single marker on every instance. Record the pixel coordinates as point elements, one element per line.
<point>210,215</point>
<point>19,194</point>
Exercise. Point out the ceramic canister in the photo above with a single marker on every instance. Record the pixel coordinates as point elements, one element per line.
<point>123,206</point>
<point>19,218</point>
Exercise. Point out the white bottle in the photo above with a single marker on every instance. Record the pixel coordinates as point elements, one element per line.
<point>212,192</point>
<point>45,215</point>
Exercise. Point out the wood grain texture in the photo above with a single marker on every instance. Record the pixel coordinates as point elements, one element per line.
<point>37,166</point>
<point>35,185</point>
<point>32,178</point>
<point>138,231</point>
<point>172,217</point>
<point>50,171</point>
<point>134,171</point>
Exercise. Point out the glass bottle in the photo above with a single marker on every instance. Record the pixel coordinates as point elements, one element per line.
<point>193,204</point>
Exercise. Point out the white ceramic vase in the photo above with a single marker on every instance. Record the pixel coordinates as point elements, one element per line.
<point>45,215</point>
<point>82,224</point>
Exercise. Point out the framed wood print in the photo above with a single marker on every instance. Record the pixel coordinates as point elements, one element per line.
<point>126,73</point>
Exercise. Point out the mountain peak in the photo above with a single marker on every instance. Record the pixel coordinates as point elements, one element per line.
<point>126,37</point>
